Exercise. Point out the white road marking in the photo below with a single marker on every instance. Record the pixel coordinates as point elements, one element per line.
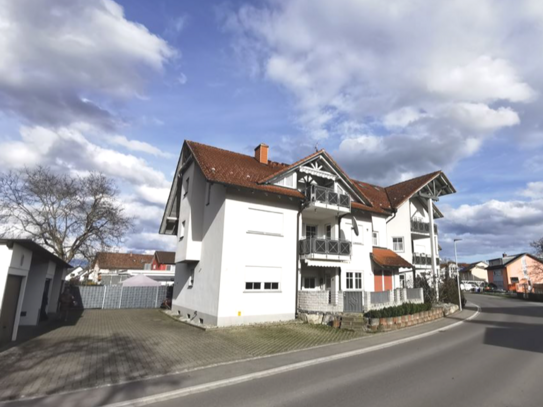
<point>156,398</point>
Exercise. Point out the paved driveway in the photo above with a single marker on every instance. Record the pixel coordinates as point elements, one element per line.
<point>111,346</point>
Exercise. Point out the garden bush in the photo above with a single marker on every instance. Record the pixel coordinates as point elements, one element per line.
<point>401,310</point>
<point>448,291</point>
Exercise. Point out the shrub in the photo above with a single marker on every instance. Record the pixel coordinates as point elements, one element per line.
<point>448,291</point>
<point>401,310</point>
<point>429,294</point>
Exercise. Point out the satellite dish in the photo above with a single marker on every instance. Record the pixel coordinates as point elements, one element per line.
<point>355,226</point>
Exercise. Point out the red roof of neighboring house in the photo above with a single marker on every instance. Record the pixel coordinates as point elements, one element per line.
<point>231,168</point>
<point>165,257</point>
<point>122,261</point>
<point>387,258</point>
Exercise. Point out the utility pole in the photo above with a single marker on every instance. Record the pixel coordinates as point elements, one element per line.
<point>457,275</point>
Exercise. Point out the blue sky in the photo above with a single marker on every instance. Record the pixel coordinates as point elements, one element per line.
<point>391,89</point>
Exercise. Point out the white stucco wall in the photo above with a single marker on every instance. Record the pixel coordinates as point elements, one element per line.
<point>203,296</point>
<point>361,249</point>
<point>249,254</point>
<point>192,208</point>
<point>15,261</point>
<point>39,269</point>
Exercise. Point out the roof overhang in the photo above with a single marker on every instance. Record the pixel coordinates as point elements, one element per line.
<point>36,248</point>
<point>338,172</point>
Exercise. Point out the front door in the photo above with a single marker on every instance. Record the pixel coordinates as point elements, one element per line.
<point>9,308</point>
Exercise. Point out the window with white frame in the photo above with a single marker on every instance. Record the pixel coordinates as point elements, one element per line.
<point>259,285</point>
<point>375,238</point>
<point>260,221</point>
<point>310,231</point>
<point>349,276</point>
<point>397,244</point>
<point>358,281</point>
<point>288,181</point>
<point>309,283</point>
<point>354,280</point>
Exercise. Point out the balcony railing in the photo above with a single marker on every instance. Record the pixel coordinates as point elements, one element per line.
<point>327,196</point>
<point>316,245</point>
<point>424,260</point>
<point>420,226</point>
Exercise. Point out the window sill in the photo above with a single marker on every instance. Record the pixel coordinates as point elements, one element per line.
<point>252,232</point>
<point>262,291</point>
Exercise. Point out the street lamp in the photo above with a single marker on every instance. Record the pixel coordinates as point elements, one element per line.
<point>457,274</point>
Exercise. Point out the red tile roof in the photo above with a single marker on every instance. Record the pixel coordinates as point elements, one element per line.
<point>402,191</point>
<point>122,261</point>
<point>388,258</point>
<point>231,168</point>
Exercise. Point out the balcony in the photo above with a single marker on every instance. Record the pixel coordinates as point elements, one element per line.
<point>421,227</point>
<point>326,198</point>
<point>423,260</point>
<point>316,248</point>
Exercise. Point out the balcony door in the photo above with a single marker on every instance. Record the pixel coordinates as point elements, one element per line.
<point>310,231</point>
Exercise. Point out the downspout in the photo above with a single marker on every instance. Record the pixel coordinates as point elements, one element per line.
<point>394,212</point>
<point>303,205</point>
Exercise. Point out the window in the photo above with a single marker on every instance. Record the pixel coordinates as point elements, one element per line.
<point>397,244</point>
<point>349,281</point>
<point>310,231</point>
<point>187,182</point>
<point>514,280</point>
<point>329,231</point>
<point>208,199</point>
<point>287,181</point>
<point>252,286</point>
<point>191,278</point>
<point>182,231</point>
<point>271,286</point>
<point>169,267</point>
<point>354,280</point>
<point>375,237</point>
<point>358,281</point>
<point>265,222</point>
<point>402,281</point>
<point>309,283</point>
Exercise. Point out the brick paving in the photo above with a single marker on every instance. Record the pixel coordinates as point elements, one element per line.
<point>111,346</point>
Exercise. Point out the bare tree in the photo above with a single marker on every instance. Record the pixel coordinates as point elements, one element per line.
<point>72,216</point>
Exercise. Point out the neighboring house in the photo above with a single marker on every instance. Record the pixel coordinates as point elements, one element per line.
<point>450,269</point>
<point>113,268</point>
<point>31,281</point>
<point>257,238</point>
<point>474,272</point>
<point>164,261</point>
<point>507,271</point>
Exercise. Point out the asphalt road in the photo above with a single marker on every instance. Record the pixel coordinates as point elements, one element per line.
<point>496,359</point>
<point>493,359</point>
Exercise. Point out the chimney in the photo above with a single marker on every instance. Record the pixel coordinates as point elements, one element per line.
<point>504,255</point>
<point>261,153</point>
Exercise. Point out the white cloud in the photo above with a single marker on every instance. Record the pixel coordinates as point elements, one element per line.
<point>135,145</point>
<point>428,82</point>
<point>69,148</point>
<point>534,190</point>
<point>62,59</point>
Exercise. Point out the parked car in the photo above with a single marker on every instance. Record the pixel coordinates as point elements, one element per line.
<point>491,288</point>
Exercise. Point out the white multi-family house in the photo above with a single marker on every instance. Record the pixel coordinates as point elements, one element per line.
<point>259,240</point>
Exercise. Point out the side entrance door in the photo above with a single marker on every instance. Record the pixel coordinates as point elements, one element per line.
<point>9,307</point>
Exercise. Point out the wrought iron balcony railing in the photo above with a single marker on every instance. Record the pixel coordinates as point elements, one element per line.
<point>316,245</point>
<point>420,226</point>
<point>327,196</point>
<point>424,260</point>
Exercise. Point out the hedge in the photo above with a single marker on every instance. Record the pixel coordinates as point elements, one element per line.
<point>401,310</point>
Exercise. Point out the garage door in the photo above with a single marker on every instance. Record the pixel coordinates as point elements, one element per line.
<point>9,307</point>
